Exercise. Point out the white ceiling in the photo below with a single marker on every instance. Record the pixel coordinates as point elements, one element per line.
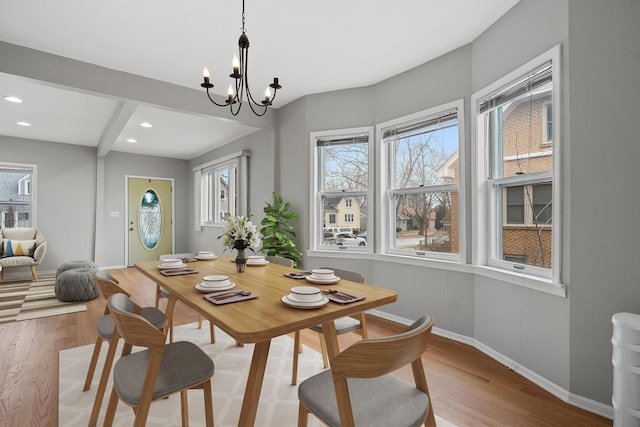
<point>312,46</point>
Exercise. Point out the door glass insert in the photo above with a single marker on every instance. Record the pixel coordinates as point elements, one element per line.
<point>150,219</point>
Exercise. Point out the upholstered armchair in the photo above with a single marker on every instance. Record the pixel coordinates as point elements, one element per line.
<point>22,247</point>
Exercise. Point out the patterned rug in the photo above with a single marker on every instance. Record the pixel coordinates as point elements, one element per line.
<point>25,300</point>
<point>278,400</point>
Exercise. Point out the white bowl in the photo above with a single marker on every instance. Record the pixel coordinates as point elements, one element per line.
<point>216,280</point>
<point>172,261</point>
<point>256,258</point>
<point>323,273</point>
<point>305,293</point>
<point>205,253</point>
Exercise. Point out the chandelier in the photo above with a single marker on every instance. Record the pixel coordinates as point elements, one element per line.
<point>241,82</point>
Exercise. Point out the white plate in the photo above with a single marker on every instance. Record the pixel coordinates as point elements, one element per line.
<point>293,299</point>
<point>322,281</point>
<point>305,305</point>
<point>257,263</point>
<point>165,266</point>
<point>205,257</point>
<point>209,289</point>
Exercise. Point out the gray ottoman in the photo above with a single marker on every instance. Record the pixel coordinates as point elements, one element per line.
<point>76,264</point>
<point>76,284</point>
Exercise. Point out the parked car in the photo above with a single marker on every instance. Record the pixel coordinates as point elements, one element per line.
<point>338,230</point>
<point>344,239</point>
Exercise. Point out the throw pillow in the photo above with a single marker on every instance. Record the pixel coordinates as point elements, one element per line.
<point>19,247</point>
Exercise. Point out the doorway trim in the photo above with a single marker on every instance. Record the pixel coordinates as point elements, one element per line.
<point>126,212</point>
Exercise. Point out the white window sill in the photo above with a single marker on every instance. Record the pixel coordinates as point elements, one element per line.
<point>527,281</point>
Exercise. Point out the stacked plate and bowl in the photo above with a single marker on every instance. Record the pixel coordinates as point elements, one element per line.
<point>214,283</point>
<point>205,255</point>
<point>305,297</point>
<point>322,276</point>
<point>256,260</point>
<point>168,263</point>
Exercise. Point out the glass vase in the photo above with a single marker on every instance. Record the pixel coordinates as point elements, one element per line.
<point>241,260</point>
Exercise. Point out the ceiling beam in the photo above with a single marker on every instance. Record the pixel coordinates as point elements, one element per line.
<point>121,115</point>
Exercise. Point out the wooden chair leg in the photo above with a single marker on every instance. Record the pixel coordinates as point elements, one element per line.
<point>294,369</point>
<point>184,407</point>
<point>303,415</point>
<point>92,365</point>
<point>199,322</point>
<point>33,272</point>
<point>325,355</point>
<point>208,403</point>
<point>102,386</point>
<point>111,408</point>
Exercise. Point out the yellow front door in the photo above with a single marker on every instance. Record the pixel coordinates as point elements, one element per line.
<point>150,219</point>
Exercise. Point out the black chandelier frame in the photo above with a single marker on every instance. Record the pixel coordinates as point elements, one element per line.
<point>241,78</point>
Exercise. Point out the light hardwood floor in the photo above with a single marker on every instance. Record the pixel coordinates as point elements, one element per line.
<point>467,387</point>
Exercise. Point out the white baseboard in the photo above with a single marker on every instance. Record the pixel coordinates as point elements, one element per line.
<point>578,401</point>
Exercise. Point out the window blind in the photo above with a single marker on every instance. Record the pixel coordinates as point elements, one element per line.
<point>537,78</point>
<point>342,140</point>
<point>406,130</point>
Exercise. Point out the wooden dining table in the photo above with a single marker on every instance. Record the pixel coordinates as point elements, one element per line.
<point>261,319</point>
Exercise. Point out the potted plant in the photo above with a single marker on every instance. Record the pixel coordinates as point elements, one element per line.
<point>277,233</point>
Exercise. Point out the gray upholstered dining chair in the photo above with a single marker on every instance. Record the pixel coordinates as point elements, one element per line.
<point>343,325</point>
<point>162,370</point>
<point>279,260</point>
<point>358,389</point>
<point>108,285</point>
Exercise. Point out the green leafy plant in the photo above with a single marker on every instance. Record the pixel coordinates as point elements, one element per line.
<point>277,233</point>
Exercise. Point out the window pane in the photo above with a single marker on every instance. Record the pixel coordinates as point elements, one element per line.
<point>150,219</point>
<point>343,165</point>
<point>344,220</point>
<point>518,134</point>
<point>515,205</point>
<point>426,157</point>
<point>542,203</point>
<point>426,222</point>
<point>526,236</point>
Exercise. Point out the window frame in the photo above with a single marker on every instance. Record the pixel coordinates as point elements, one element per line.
<point>33,169</point>
<point>205,195</point>
<point>316,241</point>
<point>486,213</point>
<point>386,226</point>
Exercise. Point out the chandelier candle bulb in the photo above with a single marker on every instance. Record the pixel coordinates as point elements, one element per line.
<point>205,74</point>
<point>267,94</point>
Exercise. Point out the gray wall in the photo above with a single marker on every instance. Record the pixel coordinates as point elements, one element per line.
<point>116,167</point>
<point>604,92</point>
<point>565,341</point>
<point>66,185</point>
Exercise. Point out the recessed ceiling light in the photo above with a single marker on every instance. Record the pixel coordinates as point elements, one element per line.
<point>145,124</point>
<point>13,99</point>
<point>24,123</point>
<point>132,140</point>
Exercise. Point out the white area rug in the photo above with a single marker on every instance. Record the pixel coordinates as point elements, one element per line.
<point>278,401</point>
